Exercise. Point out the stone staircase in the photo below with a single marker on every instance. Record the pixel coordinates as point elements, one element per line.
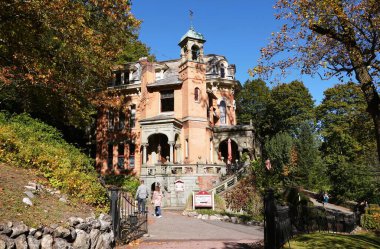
<point>230,182</point>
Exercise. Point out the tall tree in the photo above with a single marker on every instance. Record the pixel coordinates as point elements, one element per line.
<point>290,106</point>
<point>54,54</point>
<point>330,38</point>
<point>252,105</point>
<point>348,142</point>
<point>311,171</point>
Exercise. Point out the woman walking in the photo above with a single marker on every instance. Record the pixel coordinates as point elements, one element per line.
<point>156,200</point>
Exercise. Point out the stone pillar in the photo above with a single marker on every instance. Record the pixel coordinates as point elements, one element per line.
<point>144,153</point>
<point>171,144</point>
<point>178,153</point>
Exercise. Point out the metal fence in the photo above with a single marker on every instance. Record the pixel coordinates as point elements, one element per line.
<point>127,222</point>
<point>282,222</point>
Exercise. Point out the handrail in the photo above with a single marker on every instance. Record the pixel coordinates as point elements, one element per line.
<point>229,182</point>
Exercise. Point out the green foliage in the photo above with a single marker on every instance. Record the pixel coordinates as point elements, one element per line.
<point>278,149</point>
<point>129,183</point>
<point>334,240</point>
<point>311,171</point>
<point>252,104</point>
<point>371,218</point>
<point>290,106</point>
<point>30,143</point>
<point>220,203</point>
<point>349,143</point>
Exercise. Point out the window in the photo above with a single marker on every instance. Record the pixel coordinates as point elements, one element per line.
<point>222,109</point>
<point>111,120</point>
<point>110,156</point>
<point>167,101</point>
<point>132,149</point>
<point>121,120</point>
<point>196,94</point>
<point>186,148</point>
<point>120,156</point>
<point>222,71</point>
<point>117,78</point>
<point>126,77</point>
<point>132,120</point>
<point>195,53</point>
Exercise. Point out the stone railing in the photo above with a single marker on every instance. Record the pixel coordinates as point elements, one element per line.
<point>230,182</point>
<point>78,233</point>
<point>184,169</point>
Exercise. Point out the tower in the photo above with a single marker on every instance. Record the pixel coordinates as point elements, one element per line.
<point>192,73</point>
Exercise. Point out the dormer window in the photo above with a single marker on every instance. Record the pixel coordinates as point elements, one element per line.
<point>222,71</point>
<point>195,53</point>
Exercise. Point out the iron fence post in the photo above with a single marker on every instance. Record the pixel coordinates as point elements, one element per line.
<point>115,211</point>
<point>269,223</point>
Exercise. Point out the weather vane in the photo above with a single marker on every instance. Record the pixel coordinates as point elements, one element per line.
<point>191,18</point>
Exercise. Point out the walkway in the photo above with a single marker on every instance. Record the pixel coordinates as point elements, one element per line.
<point>331,206</point>
<point>174,230</point>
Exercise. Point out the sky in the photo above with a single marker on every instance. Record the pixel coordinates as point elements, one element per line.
<point>237,30</point>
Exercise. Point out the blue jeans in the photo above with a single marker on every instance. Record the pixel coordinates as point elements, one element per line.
<point>141,204</point>
<point>157,210</point>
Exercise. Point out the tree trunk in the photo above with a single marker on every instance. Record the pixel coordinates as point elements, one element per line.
<point>373,107</point>
<point>371,95</point>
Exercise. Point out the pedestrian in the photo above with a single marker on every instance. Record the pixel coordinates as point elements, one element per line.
<point>141,196</point>
<point>157,200</point>
<point>325,198</point>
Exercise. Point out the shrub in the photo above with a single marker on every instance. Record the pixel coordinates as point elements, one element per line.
<point>30,143</point>
<point>371,218</point>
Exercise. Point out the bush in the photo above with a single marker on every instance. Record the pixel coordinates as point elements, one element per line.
<point>129,183</point>
<point>30,143</point>
<point>371,218</point>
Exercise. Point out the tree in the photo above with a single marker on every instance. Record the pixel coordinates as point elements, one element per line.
<point>252,105</point>
<point>329,38</point>
<point>290,106</point>
<point>55,54</point>
<point>280,151</point>
<point>310,172</point>
<point>348,142</point>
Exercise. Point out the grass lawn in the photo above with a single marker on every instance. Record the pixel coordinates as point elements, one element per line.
<point>329,240</point>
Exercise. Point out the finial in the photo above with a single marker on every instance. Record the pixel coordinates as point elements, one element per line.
<point>191,19</point>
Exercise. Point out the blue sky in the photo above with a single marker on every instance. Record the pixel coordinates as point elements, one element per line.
<point>235,29</point>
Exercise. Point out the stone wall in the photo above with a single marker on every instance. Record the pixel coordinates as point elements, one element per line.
<point>78,233</point>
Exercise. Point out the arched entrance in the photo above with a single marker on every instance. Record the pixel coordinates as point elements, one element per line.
<point>158,149</point>
<point>223,151</point>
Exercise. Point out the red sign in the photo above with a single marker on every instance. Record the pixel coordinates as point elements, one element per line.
<point>202,199</point>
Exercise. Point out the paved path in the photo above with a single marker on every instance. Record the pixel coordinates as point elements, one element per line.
<point>331,206</point>
<point>174,230</point>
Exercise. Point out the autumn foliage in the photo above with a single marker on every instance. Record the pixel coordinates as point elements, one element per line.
<point>54,53</point>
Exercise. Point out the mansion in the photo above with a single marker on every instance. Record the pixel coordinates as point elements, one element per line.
<point>173,120</point>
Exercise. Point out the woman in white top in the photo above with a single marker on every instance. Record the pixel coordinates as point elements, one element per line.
<point>156,200</point>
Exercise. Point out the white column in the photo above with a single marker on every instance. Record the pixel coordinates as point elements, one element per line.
<point>144,153</point>
<point>171,144</point>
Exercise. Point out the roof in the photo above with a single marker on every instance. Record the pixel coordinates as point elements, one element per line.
<point>171,80</point>
<point>191,33</point>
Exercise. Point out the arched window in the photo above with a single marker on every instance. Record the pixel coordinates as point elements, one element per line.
<point>222,71</point>
<point>195,53</point>
<point>222,109</point>
<point>197,92</point>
